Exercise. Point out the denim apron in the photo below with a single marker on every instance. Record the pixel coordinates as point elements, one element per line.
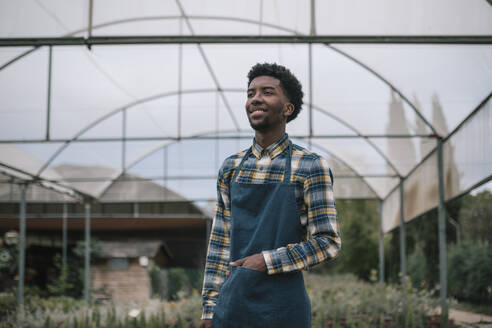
<point>264,217</point>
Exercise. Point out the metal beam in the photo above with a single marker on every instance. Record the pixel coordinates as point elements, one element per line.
<point>48,105</point>
<point>22,247</point>
<point>87,252</point>
<point>209,66</point>
<point>23,176</point>
<point>443,281</point>
<point>214,137</point>
<point>381,243</point>
<point>64,236</point>
<point>166,177</point>
<point>431,153</point>
<point>312,30</point>
<point>403,245</point>
<point>218,39</point>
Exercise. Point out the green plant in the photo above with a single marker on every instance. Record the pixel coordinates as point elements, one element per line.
<point>346,300</point>
<point>60,284</point>
<point>469,272</point>
<point>8,305</point>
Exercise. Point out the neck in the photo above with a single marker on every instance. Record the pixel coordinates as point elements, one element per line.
<point>266,138</point>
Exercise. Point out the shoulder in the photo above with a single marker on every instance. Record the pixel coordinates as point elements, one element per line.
<point>307,157</point>
<point>229,165</point>
<point>308,162</point>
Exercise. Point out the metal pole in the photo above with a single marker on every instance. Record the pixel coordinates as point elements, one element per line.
<point>64,236</point>
<point>310,47</point>
<point>48,105</point>
<point>123,144</point>
<point>87,251</point>
<point>313,18</point>
<point>22,250</point>
<point>381,243</point>
<point>89,28</point>
<point>180,80</point>
<point>310,94</point>
<point>136,210</point>
<point>442,238</point>
<point>403,246</point>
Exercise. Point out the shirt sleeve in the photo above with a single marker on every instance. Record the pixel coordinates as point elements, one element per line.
<point>323,240</point>
<point>217,260</point>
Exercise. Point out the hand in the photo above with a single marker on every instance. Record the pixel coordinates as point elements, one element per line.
<point>253,262</point>
<point>206,323</point>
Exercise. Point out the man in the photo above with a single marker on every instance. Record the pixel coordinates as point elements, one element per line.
<point>275,216</point>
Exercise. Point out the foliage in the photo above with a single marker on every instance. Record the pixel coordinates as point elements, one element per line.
<point>60,285</point>
<point>474,217</point>
<point>469,272</point>
<point>175,283</point>
<point>417,267</point>
<point>338,297</point>
<point>8,305</point>
<point>347,299</point>
<point>71,313</point>
<point>360,234</point>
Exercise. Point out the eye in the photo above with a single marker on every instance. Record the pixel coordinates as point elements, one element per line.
<point>250,94</point>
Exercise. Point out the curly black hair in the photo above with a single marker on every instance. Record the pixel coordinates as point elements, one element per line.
<point>289,83</point>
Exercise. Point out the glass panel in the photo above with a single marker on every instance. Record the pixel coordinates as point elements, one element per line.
<point>7,54</point>
<point>83,90</point>
<point>391,211</point>
<point>356,152</point>
<point>23,99</point>
<point>421,189</point>
<point>384,17</point>
<point>445,82</point>
<point>38,19</point>
<point>29,158</point>
<point>154,118</point>
<point>357,96</point>
<point>467,154</point>
<point>111,127</point>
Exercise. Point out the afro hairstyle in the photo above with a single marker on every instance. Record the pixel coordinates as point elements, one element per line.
<point>288,82</point>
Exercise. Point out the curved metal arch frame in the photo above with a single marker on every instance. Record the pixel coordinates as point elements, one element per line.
<point>251,21</point>
<point>114,112</point>
<point>169,143</point>
<point>380,77</point>
<point>194,91</point>
<point>173,93</point>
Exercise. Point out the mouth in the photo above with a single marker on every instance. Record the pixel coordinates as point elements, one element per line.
<point>256,110</point>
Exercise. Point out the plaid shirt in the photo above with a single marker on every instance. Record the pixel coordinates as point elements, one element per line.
<point>318,216</point>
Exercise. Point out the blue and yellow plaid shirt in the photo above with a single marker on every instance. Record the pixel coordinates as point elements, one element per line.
<point>314,195</point>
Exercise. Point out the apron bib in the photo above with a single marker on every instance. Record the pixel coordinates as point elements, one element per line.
<point>263,217</point>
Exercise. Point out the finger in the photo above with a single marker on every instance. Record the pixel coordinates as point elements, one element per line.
<point>238,262</point>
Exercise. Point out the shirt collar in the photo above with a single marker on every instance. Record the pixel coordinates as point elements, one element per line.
<point>273,150</point>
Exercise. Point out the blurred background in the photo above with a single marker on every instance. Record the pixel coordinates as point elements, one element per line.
<point>115,117</point>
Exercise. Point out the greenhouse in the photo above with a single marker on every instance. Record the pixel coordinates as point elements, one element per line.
<point>115,116</point>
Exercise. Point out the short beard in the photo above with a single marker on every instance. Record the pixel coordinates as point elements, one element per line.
<point>261,126</point>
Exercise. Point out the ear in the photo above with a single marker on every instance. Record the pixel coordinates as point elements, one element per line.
<point>288,109</point>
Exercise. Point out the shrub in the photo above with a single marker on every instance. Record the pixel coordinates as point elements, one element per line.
<point>469,272</point>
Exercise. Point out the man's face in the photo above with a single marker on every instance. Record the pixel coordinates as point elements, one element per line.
<point>266,104</point>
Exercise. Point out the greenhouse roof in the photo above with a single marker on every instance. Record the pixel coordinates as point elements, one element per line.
<point>156,89</point>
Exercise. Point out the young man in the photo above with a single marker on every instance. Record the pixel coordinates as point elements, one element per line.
<point>275,216</point>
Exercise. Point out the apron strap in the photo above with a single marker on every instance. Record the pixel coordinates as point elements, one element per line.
<point>238,168</point>
<point>288,161</point>
<point>287,171</point>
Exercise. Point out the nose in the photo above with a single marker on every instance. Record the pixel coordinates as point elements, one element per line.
<point>256,98</point>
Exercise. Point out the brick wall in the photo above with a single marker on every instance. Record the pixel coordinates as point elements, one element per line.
<point>129,284</point>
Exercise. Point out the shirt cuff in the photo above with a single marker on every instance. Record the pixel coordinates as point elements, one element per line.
<point>208,312</point>
<point>273,262</point>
